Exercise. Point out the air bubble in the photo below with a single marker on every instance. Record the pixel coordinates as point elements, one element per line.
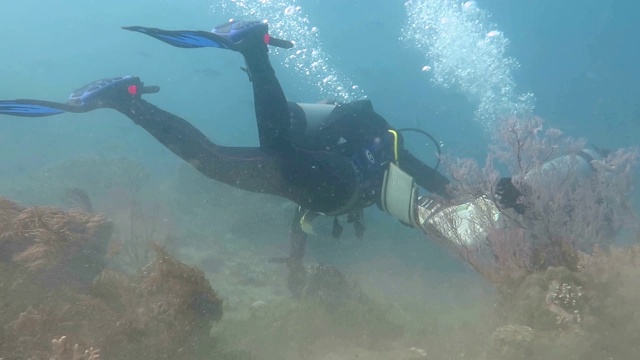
<point>468,53</point>
<point>308,57</point>
<point>469,5</point>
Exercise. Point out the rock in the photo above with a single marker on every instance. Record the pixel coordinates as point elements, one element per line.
<point>511,342</point>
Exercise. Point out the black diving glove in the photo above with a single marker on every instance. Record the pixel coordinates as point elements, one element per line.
<point>509,196</point>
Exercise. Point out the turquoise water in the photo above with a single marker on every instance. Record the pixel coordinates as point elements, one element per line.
<point>576,57</point>
<point>450,68</point>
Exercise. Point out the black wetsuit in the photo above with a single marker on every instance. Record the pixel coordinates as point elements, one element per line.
<point>316,171</point>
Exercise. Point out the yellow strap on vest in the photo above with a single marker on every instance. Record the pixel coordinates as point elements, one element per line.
<point>395,144</point>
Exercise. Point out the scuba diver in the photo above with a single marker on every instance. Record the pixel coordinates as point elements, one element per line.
<point>329,159</point>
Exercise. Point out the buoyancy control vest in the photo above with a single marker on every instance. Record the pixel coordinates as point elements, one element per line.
<point>355,131</point>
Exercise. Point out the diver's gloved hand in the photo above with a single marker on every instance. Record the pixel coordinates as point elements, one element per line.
<point>112,93</point>
<point>509,196</point>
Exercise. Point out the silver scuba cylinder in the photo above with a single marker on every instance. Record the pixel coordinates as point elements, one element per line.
<point>316,114</point>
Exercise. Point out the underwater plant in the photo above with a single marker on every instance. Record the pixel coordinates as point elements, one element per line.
<point>559,210</point>
<point>59,301</point>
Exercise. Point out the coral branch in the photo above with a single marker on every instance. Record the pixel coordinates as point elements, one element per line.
<point>568,201</point>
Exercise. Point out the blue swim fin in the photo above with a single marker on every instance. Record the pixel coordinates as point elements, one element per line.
<point>33,108</point>
<point>98,94</point>
<point>191,39</point>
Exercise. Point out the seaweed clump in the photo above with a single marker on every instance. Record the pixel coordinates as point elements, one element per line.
<point>546,238</point>
<point>53,244</point>
<point>165,311</point>
<point>586,314</point>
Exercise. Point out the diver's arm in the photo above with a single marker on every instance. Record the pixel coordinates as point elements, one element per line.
<point>425,176</point>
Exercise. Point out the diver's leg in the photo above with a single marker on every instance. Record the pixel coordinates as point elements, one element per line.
<point>249,169</point>
<point>272,111</point>
<point>316,180</point>
<point>271,108</point>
